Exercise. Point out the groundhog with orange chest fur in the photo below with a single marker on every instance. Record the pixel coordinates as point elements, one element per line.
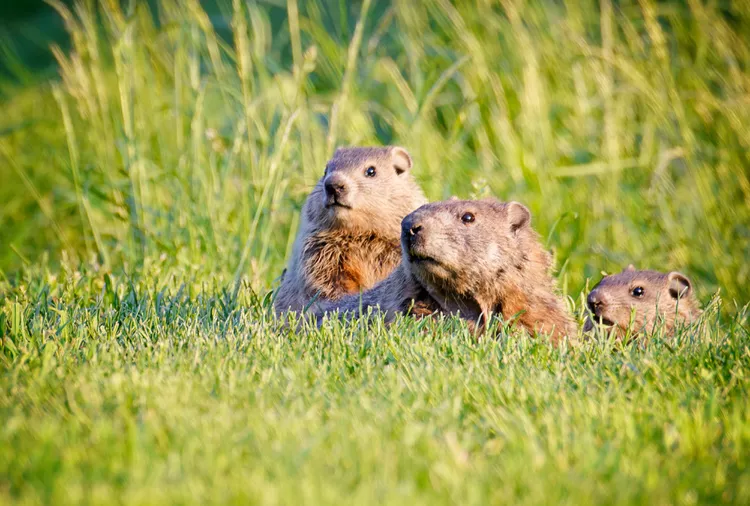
<point>646,297</point>
<point>474,259</point>
<point>351,223</point>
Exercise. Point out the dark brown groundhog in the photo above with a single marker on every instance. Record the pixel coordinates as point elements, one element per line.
<point>648,296</point>
<point>351,223</point>
<point>473,258</point>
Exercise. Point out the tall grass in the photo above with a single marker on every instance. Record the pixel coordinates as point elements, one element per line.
<point>624,127</point>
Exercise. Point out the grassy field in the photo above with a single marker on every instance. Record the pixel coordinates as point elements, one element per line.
<point>150,192</point>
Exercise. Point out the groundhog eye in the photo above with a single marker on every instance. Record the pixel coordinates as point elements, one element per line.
<point>637,291</point>
<point>467,218</point>
<point>370,172</point>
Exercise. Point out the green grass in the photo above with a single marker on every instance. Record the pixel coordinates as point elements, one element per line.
<point>150,194</point>
<point>148,393</point>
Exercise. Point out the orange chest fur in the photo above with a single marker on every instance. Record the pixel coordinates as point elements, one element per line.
<point>337,265</point>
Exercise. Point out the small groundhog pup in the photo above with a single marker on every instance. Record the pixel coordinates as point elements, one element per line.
<point>649,296</point>
<point>351,223</point>
<point>473,258</point>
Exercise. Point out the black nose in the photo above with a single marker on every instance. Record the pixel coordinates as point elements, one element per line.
<point>594,302</point>
<point>335,188</point>
<point>410,227</point>
<point>411,234</point>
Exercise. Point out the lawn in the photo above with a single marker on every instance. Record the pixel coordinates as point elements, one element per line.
<point>150,189</point>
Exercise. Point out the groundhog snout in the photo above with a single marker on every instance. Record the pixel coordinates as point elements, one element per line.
<point>336,187</point>
<point>411,229</point>
<point>596,302</point>
<point>415,230</point>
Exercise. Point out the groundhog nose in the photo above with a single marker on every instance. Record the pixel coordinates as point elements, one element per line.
<point>335,187</point>
<point>595,302</point>
<point>410,228</point>
<point>407,224</point>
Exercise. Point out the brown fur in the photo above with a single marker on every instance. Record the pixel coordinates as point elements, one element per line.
<point>399,293</point>
<point>493,265</point>
<point>360,260</point>
<point>666,298</point>
<point>349,242</point>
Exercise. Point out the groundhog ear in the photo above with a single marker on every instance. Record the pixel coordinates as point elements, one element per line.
<point>629,268</point>
<point>518,216</point>
<point>679,285</point>
<point>401,159</point>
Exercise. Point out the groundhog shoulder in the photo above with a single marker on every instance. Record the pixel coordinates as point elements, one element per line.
<point>399,293</point>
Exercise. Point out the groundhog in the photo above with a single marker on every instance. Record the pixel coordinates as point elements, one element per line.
<point>474,259</point>
<point>351,223</point>
<point>648,296</point>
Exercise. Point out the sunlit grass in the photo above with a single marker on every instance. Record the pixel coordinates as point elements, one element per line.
<point>153,392</point>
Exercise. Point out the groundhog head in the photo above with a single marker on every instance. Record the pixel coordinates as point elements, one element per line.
<point>645,296</point>
<point>467,248</point>
<point>365,189</point>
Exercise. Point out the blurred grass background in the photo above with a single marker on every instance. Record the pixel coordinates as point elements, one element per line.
<point>195,131</point>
